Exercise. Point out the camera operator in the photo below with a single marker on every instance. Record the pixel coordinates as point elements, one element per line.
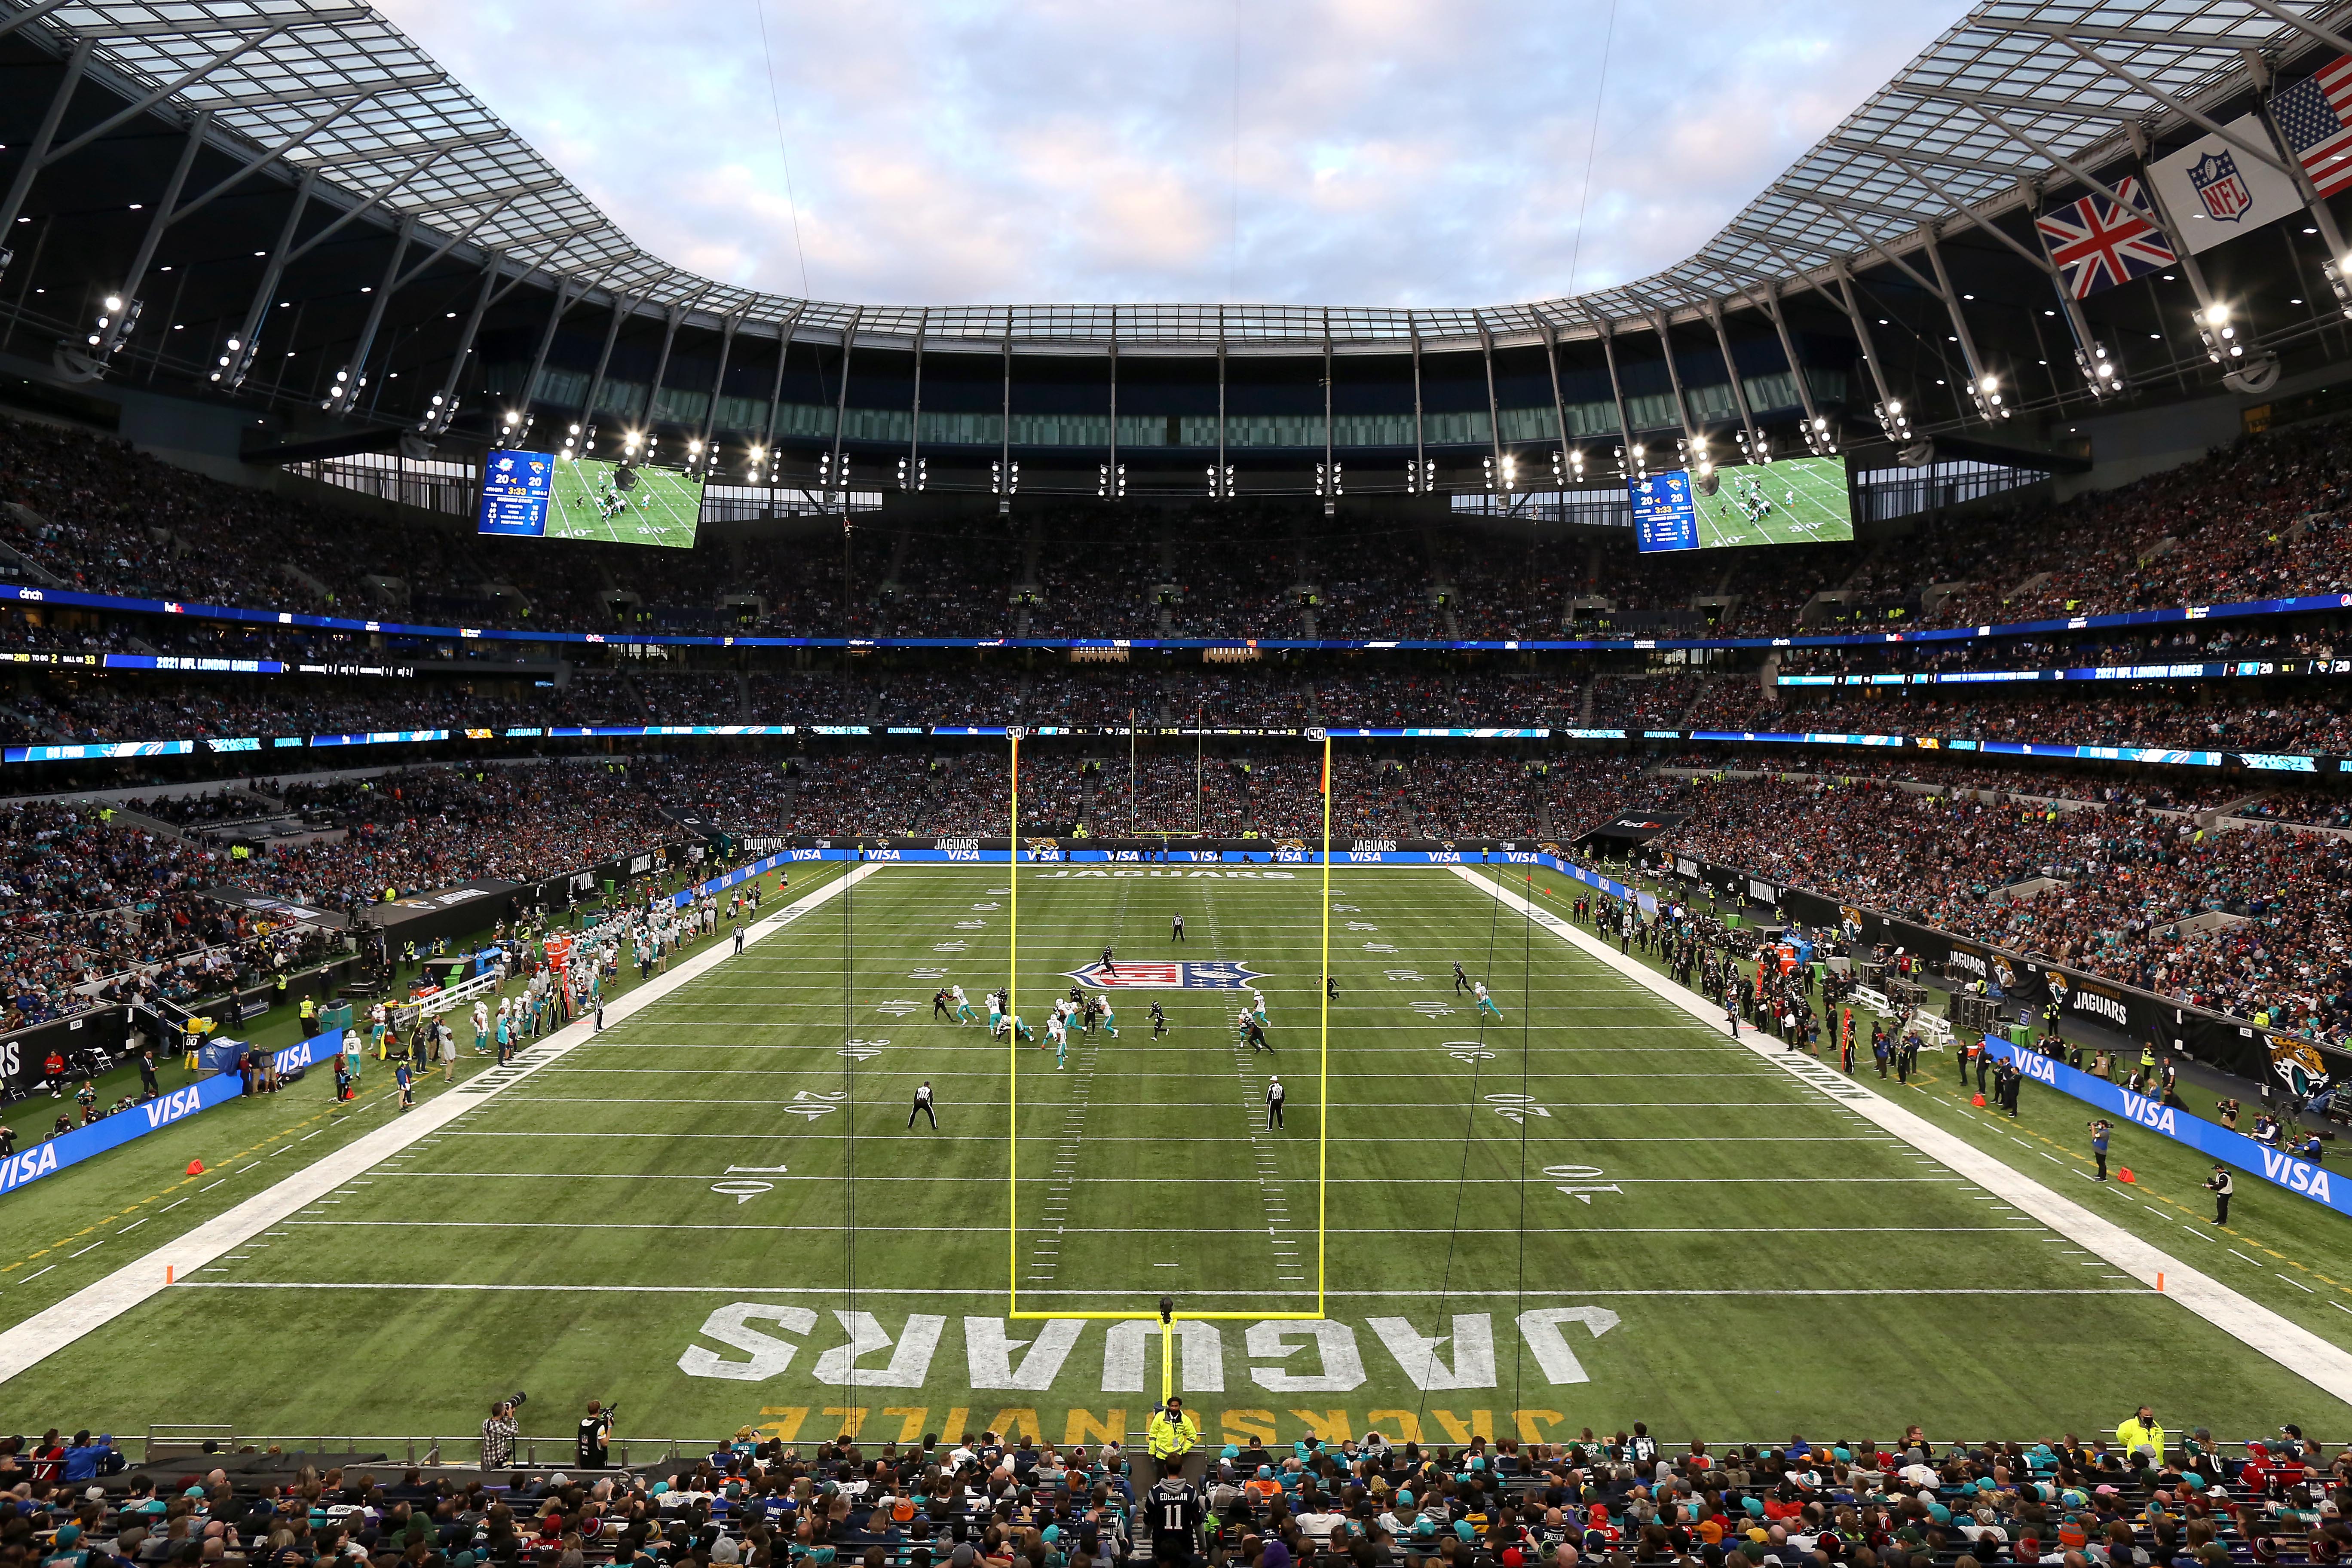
<point>498,1434</point>
<point>595,1435</point>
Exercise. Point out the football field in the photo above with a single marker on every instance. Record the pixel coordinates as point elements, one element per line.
<point>1597,1209</point>
<point>1805,502</point>
<point>662,507</point>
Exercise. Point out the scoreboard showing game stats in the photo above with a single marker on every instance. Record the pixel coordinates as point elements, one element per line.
<point>539,495</point>
<point>1798,501</point>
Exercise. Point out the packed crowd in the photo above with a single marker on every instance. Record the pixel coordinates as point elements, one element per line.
<point>2253,520</point>
<point>1332,1501</point>
<point>2118,892</point>
<point>441,827</point>
<point>94,912</point>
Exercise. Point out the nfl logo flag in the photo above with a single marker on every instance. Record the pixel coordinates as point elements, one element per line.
<point>2098,243</point>
<point>2313,116</point>
<point>2220,189</point>
<point>2216,190</point>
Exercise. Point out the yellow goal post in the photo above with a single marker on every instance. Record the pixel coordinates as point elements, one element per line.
<point>1166,1315</point>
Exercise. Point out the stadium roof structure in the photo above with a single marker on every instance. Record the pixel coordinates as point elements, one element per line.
<point>2016,94</point>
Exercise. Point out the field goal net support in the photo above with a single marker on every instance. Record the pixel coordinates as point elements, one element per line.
<point>1162,1311</point>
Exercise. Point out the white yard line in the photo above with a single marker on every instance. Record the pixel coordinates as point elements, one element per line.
<point>997,1293</point>
<point>101,1303</point>
<point>2288,1344</point>
<point>835,1230</point>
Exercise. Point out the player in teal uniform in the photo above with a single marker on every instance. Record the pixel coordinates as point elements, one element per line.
<point>1486,1003</point>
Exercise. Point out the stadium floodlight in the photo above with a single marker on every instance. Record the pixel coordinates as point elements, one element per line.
<point>2337,271</point>
<point>1755,447</point>
<point>2219,336</point>
<point>1984,391</point>
<point>571,438</point>
<point>1502,476</point>
<point>913,475</point>
<point>1005,478</point>
<point>1893,419</point>
<point>1421,477</point>
<point>1220,482</point>
<point>235,363</point>
<point>345,392</point>
<point>631,442</point>
<point>1567,466</point>
<point>2100,370</point>
<point>1633,462</point>
<point>1819,439</point>
<point>1110,481</point>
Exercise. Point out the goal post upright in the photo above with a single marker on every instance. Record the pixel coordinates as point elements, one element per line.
<point>1013,1035</point>
<point>1323,1050</point>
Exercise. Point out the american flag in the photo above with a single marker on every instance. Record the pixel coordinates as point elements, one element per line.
<point>2098,243</point>
<point>2316,117</point>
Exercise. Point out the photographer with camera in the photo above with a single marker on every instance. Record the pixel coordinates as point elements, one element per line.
<point>499,1431</point>
<point>595,1435</point>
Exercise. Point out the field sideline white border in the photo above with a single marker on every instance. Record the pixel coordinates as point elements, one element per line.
<point>2294,1347</point>
<point>101,1301</point>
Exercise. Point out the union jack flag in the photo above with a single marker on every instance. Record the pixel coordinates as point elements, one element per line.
<point>2098,243</point>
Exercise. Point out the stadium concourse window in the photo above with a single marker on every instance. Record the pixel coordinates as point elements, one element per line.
<point>434,484</point>
<point>1883,494</point>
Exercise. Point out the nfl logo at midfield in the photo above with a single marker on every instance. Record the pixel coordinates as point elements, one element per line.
<point>1215,975</point>
<point>2220,187</point>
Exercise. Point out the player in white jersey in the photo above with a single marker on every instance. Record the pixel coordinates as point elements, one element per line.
<point>963,1012</point>
<point>1057,1035</point>
<point>1486,1003</point>
<point>1258,1004</point>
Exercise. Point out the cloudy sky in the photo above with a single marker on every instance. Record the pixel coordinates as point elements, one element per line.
<point>1325,152</point>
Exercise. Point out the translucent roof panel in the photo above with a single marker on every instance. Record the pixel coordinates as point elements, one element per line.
<point>2014,92</point>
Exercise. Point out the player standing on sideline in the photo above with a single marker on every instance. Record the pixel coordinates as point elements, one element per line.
<point>964,1013</point>
<point>923,1107</point>
<point>1274,1098</point>
<point>1109,1017</point>
<point>481,1029</point>
<point>1485,1003</point>
<point>1176,930</point>
<point>1159,1021</point>
<point>1109,966</point>
<point>1461,981</point>
<point>738,940</point>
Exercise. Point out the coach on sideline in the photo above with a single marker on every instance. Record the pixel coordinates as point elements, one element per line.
<point>1170,1433</point>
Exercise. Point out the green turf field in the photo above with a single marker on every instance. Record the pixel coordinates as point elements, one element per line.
<point>661,506</point>
<point>1808,503</point>
<point>1599,1209</point>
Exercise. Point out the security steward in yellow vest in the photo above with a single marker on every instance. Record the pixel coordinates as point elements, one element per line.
<point>1170,1433</point>
<point>309,1018</point>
